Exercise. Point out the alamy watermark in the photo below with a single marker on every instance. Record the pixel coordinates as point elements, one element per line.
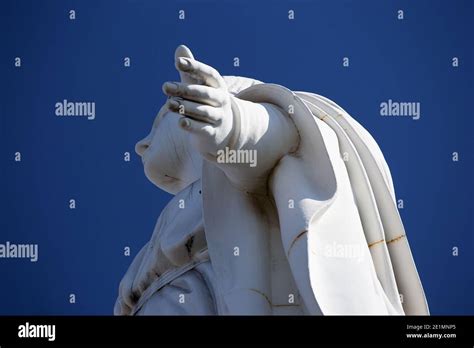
<point>405,109</point>
<point>228,155</point>
<point>67,108</point>
<point>344,251</point>
<point>21,251</point>
<point>28,330</point>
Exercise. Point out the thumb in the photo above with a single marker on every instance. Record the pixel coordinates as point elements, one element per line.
<point>183,51</point>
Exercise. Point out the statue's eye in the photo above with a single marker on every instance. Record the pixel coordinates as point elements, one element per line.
<point>158,117</point>
<point>157,120</point>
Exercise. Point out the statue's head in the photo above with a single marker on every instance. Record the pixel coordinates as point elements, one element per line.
<point>170,160</point>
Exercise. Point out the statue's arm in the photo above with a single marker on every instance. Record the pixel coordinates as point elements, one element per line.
<point>218,122</point>
<point>263,134</point>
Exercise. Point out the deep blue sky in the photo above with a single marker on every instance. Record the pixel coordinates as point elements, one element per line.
<point>81,250</point>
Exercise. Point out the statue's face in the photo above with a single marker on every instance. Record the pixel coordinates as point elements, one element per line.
<point>169,159</point>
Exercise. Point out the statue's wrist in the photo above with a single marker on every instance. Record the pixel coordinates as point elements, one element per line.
<point>234,134</point>
<point>247,117</point>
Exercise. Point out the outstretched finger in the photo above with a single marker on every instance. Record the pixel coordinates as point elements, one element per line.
<point>194,126</point>
<point>200,71</point>
<point>198,93</point>
<point>203,113</point>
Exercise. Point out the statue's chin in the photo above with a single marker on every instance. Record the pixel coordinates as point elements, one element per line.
<point>168,172</point>
<point>165,182</point>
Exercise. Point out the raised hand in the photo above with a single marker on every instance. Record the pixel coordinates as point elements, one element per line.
<point>202,102</point>
<point>218,122</point>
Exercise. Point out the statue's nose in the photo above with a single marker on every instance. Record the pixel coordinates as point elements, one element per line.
<point>142,146</point>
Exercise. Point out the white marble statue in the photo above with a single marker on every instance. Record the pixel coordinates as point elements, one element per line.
<point>283,204</point>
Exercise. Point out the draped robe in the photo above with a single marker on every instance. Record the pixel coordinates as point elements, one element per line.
<point>326,239</point>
